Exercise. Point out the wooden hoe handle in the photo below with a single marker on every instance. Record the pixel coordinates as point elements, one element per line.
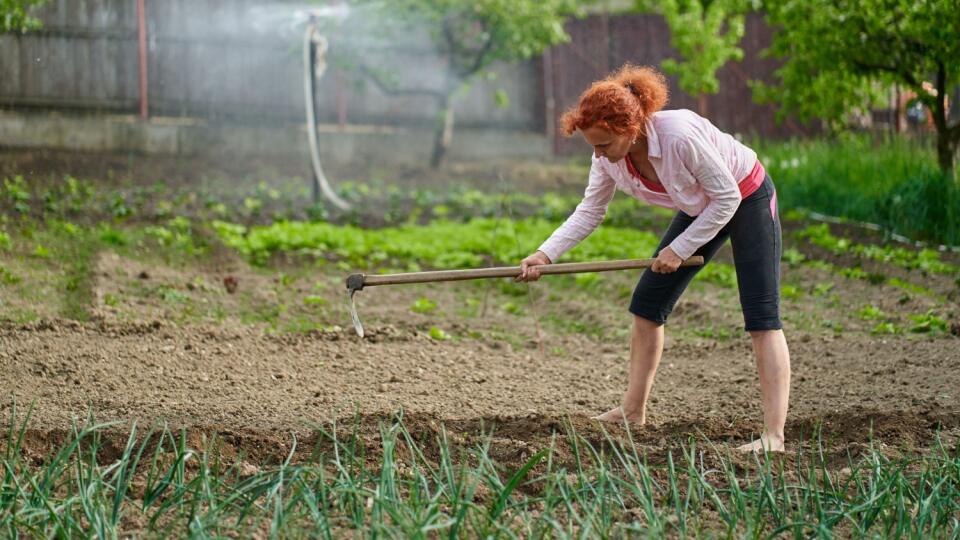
<point>359,281</point>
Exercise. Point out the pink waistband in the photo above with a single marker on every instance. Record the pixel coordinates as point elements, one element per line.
<point>748,185</point>
<point>753,180</point>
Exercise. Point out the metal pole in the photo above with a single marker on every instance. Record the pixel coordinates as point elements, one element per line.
<point>315,184</point>
<point>142,35</point>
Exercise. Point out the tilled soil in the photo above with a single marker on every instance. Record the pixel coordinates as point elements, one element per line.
<point>259,388</point>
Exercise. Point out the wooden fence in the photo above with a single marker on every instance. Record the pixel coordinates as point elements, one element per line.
<point>223,60</point>
<point>601,44</point>
<point>240,60</point>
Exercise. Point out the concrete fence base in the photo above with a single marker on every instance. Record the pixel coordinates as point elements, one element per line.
<point>191,137</point>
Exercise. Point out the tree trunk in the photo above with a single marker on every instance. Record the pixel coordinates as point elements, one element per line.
<point>954,116</point>
<point>946,152</point>
<point>442,130</point>
<point>702,104</point>
<point>947,136</point>
<point>897,111</point>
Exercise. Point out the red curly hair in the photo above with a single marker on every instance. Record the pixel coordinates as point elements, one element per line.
<point>621,103</point>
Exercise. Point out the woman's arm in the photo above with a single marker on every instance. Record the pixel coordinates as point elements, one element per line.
<point>587,216</point>
<point>706,165</point>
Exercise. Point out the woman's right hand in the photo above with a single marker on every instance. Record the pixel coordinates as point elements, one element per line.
<point>529,270</point>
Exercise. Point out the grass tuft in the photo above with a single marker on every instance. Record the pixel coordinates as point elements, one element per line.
<point>405,485</point>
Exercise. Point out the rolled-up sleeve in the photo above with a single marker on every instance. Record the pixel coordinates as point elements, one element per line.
<point>707,167</point>
<point>586,217</point>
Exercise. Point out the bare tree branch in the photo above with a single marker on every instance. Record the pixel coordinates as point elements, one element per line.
<point>392,89</point>
<point>480,59</point>
<point>907,76</point>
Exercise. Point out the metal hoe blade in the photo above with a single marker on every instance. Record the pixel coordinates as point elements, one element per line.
<point>353,315</point>
<point>354,284</point>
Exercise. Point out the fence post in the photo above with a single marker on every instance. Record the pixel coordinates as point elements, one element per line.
<point>549,100</point>
<point>142,38</point>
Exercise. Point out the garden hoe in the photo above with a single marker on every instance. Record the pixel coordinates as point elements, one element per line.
<point>356,282</point>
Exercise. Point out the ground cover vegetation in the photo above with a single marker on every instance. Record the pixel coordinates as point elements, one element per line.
<point>412,484</point>
<point>417,231</point>
<point>893,183</point>
<point>57,230</point>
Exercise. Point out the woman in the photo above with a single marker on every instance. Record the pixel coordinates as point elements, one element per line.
<point>679,160</point>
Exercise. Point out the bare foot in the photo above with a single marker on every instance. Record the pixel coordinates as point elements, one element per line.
<point>766,443</point>
<point>617,416</point>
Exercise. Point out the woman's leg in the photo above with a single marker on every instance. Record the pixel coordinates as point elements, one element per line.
<point>773,363</point>
<point>653,300</point>
<point>646,348</point>
<point>756,241</point>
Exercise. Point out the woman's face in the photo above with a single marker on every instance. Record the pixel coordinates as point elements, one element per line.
<point>607,144</point>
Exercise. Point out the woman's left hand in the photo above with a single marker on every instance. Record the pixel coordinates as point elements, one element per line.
<point>667,262</point>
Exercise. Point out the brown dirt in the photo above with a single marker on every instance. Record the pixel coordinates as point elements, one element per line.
<point>198,362</point>
<point>144,361</point>
<point>258,388</point>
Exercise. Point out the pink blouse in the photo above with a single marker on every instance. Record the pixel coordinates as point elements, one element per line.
<point>699,166</point>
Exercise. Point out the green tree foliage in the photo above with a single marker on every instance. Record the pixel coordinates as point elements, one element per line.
<point>706,33</point>
<point>840,54</point>
<point>14,16</point>
<point>469,35</point>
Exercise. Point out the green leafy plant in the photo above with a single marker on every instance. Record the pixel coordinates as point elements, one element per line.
<point>588,280</point>
<point>114,237</point>
<point>16,192</point>
<point>162,235</point>
<point>441,244</point>
<point>885,328</point>
<point>512,308</point>
<point>793,257</point>
<point>724,275</point>
<point>837,327</point>
<point>820,235</point>
<point>924,259</point>
<point>791,292</point>
<point>9,278</point>
<point>314,300</point>
<point>171,295</point>
<point>853,273</point>
<point>119,206</point>
<point>66,228</point>
<point>823,288</point>
<point>928,322</point>
<point>438,334</point>
<point>910,287</point>
<point>423,305</point>
<point>253,205</point>
<point>285,280</point>
<point>871,312</point>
